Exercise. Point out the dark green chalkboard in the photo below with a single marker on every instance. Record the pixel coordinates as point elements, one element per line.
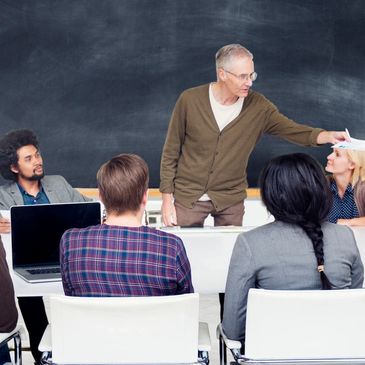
<point>94,78</point>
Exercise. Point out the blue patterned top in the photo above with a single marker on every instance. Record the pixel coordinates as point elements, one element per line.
<point>344,208</point>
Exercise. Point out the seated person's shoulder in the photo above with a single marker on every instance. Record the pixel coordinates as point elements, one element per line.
<point>54,179</point>
<point>59,183</point>
<point>81,233</point>
<point>167,236</point>
<point>7,192</point>
<point>6,186</point>
<point>337,233</point>
<point>328,227</point>
<point>266,230</point>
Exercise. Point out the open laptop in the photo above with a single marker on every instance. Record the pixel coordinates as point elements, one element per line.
<point>36,231</point>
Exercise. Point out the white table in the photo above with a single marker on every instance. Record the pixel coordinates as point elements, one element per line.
<point>209,251</point>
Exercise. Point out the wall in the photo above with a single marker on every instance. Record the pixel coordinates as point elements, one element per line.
<point>96,78</point>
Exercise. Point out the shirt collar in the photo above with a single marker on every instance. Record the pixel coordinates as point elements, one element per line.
<point>333,186</point>
<point>23,192</point>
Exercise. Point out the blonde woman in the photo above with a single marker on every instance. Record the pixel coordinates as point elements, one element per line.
<point>347,184</point>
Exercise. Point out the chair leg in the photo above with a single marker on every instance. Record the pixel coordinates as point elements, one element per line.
<point>222,352</point>
<point>46,358</point>
<point>203,357</point>
<point>17,350</point>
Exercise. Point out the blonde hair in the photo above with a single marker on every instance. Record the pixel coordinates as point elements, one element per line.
<point>358,179</point>
<point>358,158</point>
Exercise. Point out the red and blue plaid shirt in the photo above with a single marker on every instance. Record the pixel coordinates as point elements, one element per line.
<point>108,260</point>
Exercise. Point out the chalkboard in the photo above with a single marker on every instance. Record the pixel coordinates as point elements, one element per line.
<point>95,78</point>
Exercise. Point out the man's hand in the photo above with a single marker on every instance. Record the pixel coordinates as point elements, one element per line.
<point>332,137</point>
<point>4,225</point>
<point>168,210</point>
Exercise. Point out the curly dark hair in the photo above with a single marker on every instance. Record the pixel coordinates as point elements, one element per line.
<point>9,145</point>
<point>295,190</point>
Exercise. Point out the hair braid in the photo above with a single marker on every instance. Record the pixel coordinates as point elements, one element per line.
<point>314,232</point>
<point>295,190</point>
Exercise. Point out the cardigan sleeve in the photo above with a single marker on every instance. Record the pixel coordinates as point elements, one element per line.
<point>75,196</point>
<point>173,144</point>
<point>279,125</point>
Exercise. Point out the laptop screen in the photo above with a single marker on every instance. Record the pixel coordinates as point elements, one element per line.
<point>36,230</point>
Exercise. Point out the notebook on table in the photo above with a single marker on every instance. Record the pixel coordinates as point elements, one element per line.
<point>36,231</point>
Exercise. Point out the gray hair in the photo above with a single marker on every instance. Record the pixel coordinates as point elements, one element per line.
<point>225,54</point>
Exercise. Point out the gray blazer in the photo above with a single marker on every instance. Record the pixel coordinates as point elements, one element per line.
<point>281,256</point>
<point>57,189</point>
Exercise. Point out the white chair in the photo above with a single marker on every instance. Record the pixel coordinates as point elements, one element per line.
<point>317,326</point>
<point>13,335</point>
<point>125,330</point>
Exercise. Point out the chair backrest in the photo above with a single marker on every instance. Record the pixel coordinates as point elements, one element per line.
<point>125,330</point>
<point>319,324</point>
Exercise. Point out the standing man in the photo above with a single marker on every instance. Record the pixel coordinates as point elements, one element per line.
<point>121,257</point>
<point>212,132</point>
<point>21,163</point>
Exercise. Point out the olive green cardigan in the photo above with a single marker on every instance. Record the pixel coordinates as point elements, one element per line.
<point>198,158</point>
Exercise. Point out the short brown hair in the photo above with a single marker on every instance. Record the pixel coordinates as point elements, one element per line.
<point>122,182</point>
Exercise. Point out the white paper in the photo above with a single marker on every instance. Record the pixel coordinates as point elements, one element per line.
<point>353,144</point>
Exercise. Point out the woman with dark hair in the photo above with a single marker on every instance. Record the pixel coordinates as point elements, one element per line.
<point>299,250</point>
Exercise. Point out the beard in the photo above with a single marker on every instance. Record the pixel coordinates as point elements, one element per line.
<point>34,177</point>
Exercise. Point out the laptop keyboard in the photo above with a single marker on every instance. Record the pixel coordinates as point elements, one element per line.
<point>53,270</point>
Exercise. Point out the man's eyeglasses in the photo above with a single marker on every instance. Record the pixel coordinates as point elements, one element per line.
<point>244,77</point>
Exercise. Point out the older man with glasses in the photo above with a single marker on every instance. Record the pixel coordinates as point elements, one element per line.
<point>212,132</point>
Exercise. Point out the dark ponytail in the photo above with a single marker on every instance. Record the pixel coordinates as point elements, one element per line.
<point>295,190</point>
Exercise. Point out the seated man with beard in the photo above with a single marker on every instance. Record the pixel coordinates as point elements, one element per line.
<point>21,163</point>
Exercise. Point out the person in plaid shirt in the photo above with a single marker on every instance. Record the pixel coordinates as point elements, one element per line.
<point>121,257</point>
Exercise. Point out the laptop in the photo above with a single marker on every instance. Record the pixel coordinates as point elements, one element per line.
<point>36,231</point>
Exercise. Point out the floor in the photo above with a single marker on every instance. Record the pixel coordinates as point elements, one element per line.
<point>209,312</point>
